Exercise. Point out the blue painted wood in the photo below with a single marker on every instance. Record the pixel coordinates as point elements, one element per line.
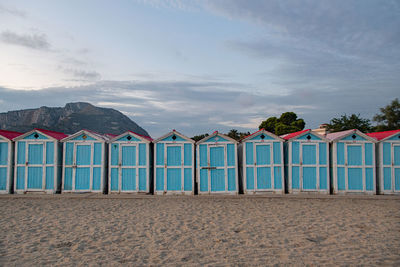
<point>20,178</point>
<point>323,178</point>
<point>96,182</point>
<point>395,137</point>
<point>369,179</point>
<point>295,152</point>
<point>322,153</point>
<point>114,154</point>
<point>97,153</point>
<point>3,178</point>
<point>258,137</point>
<point>368,154</point>
<point>358,137</point>
<point>35,153</point>
<point>49,178</point>
<point>83,155</point>
<point>396,152</point>
<point>309,154</point>
<point>277,152</point>
<point>397,178</point>
<point>340,154</point>
<point>354,155</point>
<point>160,154</point>
<point>131,138</point>
<point>249,153</point>
<point>35,175</point>
<point>312,137</point>
<point>217,157</point>
<point>68,179</point>
<point>69,153</point>
<point>387,153</point>
<point>263,154</point>
<point>216,138</point>
<point>174,156</point>
<point>32,136</point>
<point>114,183</point>
<point>188,154</point>
<point>160,179</point>
<point>128,156</point>
<point>128,179</point>
<point>264,178</point>
<point>278,177</point>
<point>50,153</point>
<point>217,180</point>
<point>309,178</point>
<point>230,150</point>
<point>188,180</point>
<point>80,137</point>
<point>387,178</point>
<point>355,178</point>
<point>203,180</point>
<point>142,179</point>
<point>82,178</point>
<point>178,138</point>
<point>203,155</point>
<point>295,177</point>
<point>341,178</point>
<point>250,178</point>
<point>174,179</point>
<point>21,152</point>
<point>231,179</point>
<point>3,153</point>
<point>142,155</point>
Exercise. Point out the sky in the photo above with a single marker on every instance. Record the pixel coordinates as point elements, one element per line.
<point>200,66</point>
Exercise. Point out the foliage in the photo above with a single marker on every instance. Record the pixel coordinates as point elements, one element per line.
<point>237,135</point>
<point>349,122</point>
<point>286,123</point>
<point>199,137</point>
<point>389,119</point>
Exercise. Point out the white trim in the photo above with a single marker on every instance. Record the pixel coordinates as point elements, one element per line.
<point>381,165</point>
<point>216,133</point>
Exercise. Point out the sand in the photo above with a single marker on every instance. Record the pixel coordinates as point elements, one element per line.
<point>131,230</point>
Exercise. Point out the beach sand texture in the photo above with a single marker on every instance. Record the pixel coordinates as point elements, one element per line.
<point>198,230</point>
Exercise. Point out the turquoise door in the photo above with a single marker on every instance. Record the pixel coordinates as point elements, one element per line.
<point>128,167</point>
<point>263,164</point>
<point>396,167</point>
<point>3,165</point>
<point>174,167</point>
<point>35,166</point>
<point>309,166</point>
<point>217,168</point>
<point>83,161</point>
<point>354,167</point>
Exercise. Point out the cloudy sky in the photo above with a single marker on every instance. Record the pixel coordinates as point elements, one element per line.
<point>200,66</point>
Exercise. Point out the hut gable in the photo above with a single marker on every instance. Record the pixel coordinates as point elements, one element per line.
<point>309,136</point>
<point>217,137</point>
<point>174,136</point>
<point>84,135</point>
<point>395,137</point>
<point>349,135</point>
<point>35,136</point>
<point>40,134</point>
<point>128,138</point>
<point>304,135</point>
<point>261,135</point>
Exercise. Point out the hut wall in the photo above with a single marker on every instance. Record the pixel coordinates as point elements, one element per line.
<point>388,165</point>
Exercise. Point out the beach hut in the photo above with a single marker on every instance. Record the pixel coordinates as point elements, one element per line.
<point>130,157</point>
<point>307,162</point>
<point>38,158</point>
<point>174,164</point>
<point>261,161</point>
<point>7,160</point>
<point>353,162</point>
<point>388,161</point>
<point>85,162</point>
<point>217,165</point>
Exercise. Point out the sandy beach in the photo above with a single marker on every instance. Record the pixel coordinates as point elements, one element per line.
<point>91,229</point>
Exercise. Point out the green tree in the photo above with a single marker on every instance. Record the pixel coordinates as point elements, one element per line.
<point>237,135</point>
<point>199,137</point>
<point>349,122</point>
<point>389,119</point>
<point>286,123</point>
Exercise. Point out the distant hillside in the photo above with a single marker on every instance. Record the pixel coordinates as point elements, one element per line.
<point>69,119</point>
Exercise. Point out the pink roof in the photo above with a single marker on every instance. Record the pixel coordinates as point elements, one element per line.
<point>382,135</point>
<point>291,135</point>
<point>56,135</point>
<point>144,136</point>
<point>333,136</point>
<point>10,135</point>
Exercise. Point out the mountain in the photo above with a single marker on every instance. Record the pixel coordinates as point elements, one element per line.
<point>70,119</point>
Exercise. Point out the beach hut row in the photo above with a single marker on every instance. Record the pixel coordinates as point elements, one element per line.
<point>343,162</point>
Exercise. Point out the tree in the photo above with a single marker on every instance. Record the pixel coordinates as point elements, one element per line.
<point>349,122</point>
<point>286,123</point>
<point>389,119</point>
<point>199,137</point>
<point>237,135</point>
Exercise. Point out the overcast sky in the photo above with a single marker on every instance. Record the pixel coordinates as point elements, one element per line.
<point>200,66</point>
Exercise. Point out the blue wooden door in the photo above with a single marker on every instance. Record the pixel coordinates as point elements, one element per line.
<point>35,166</point>
<point>263,164</point>
<point>396,168</point>
<point>174,167</point>
<point>83,162</point>
<point>3,165</point>
<point>354,167</point>
<point>309,166</point>
<point>128,167</point>
<point>217,168</point>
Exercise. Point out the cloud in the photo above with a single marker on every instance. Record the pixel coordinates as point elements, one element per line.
<point>199,107</point>
<point>80,74</point>
<point>12,11</point>
<point>34,41</point>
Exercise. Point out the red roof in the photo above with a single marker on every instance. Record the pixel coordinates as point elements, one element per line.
<point>382,135</point>
<point>56,135</point>
<point>10,135</point>
<point>144,136</point>
<point>291,135</point>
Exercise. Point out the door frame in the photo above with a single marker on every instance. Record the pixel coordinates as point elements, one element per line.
<point>75,166</point>
<point>43,165</point>
<point>136,167</point>
<point>7,166</point>
<point>181,166</point>
<point>392,167</point>
<point>316,166</point>
<point>224,167</point>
